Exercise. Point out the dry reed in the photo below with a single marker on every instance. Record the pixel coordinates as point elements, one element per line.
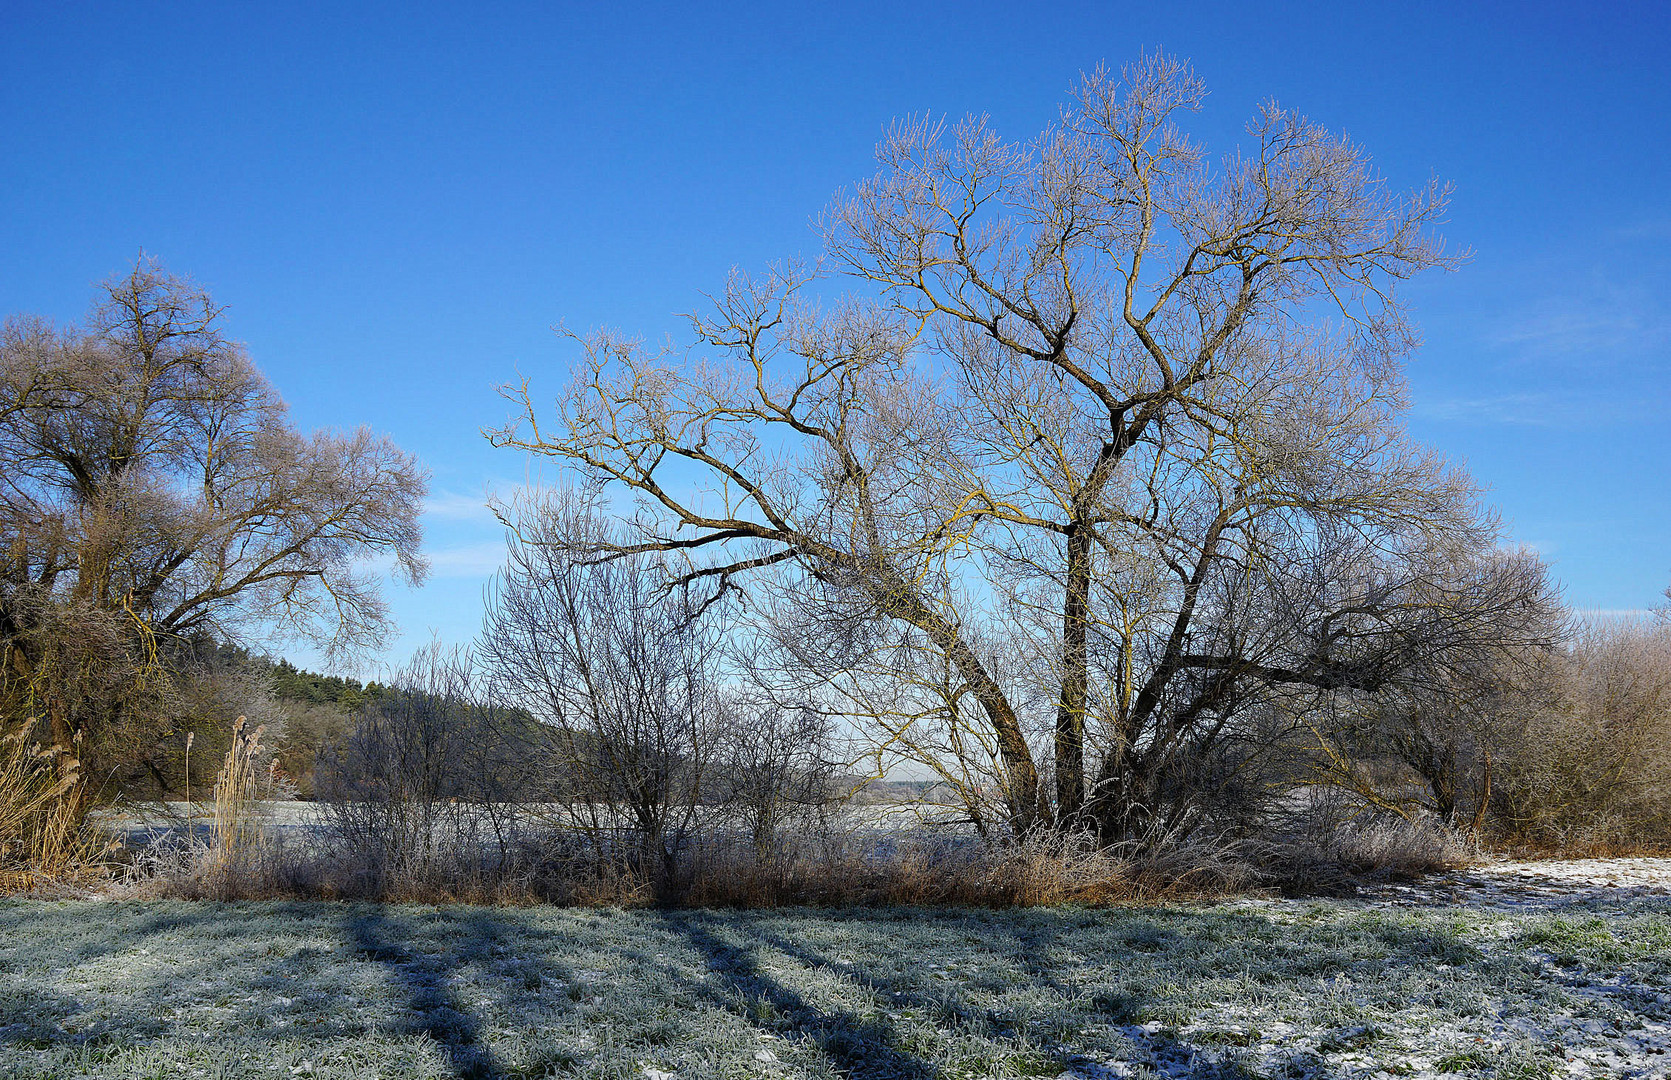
<point>41,838</point>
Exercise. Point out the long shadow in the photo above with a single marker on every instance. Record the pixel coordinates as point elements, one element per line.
<point>34,1020</point>
<point>438,1013</point>
<point>1123,1010</point>
<point>857,1048</point>
<point>951,1005</point>
<point>1031,945</point>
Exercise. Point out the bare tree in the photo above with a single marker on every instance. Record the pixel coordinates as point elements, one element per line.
<point>424,787</point>
<point>775,770</point>
<point>1116,458</point>
<point>623,676</point>
<point>151,489</point>
<point>820,647</point>
<point>1431,740</point>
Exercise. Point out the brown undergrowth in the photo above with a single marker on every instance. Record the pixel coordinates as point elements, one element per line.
<point>910,871</point>
<point>907,869</point>
<point>243,856</point>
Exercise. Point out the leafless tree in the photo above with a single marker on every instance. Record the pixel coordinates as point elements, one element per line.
<point>152,489</point>
<point>622,675</point>
<point>431,781</point>
<point>1431,740</point>
<point>1116,457</point>
<point>775,770</point>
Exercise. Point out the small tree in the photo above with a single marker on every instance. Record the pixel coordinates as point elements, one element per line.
<point>1430,739</point>
<point>407,791</point>
<point>774,771</point>
<point>622,673</point>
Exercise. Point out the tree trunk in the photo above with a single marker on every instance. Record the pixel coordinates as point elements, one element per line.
<point>898,600</point>
<point>1485,794</point>
<point>1070,710</point>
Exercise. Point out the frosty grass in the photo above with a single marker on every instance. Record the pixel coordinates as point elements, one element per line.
<point>1248,988</point>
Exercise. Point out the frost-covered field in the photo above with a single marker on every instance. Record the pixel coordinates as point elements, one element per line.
<point>1252,988</point>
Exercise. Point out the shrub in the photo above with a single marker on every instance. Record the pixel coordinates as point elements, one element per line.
<point>1590,769</point>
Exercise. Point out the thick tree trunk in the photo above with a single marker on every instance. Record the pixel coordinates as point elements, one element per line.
<point>1023,794</point>
<point>1070,709</point>
<point>1125,811</point>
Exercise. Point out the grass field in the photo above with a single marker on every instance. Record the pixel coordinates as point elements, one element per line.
<point>1256,988</point>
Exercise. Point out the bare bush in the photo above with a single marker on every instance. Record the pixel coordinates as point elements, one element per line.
<point>1590,766</point>
<point>1336,858</point>
<point>774,773</point>
<point>429,783</point>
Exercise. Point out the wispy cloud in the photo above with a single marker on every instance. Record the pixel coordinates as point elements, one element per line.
<point>458,506</point>
<point>472,506</point>
<point>468,560</point>
<point>455,505</point>
<point>1525,408</point>
<point>1578,330</point>
<point>1585,319</point>
<point>1543,408</point>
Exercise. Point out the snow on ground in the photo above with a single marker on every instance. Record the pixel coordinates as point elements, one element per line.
<point>1516,982</point>
<point>1510,884</point>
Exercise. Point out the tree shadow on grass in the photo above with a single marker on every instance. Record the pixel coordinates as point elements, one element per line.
<point>59,940</point>
<point>858,1048</point>
<point>1034,939</point>
<point>437,1013</point>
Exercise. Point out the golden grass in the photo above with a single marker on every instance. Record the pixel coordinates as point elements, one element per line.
<point>41,838</point>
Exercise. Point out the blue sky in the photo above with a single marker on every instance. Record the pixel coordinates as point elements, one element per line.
<point>397,203</point>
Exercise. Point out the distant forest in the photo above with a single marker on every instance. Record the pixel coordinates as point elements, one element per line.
<point>294,684</point>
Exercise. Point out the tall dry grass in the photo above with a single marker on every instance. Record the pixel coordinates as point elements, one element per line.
<point>917,869</point>
<point>241,857</point>
<point>41,838</point>
<point>237,787</point>
<point>1338,857</point>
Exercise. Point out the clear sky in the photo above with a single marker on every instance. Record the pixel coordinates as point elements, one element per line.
<point>398,202</point>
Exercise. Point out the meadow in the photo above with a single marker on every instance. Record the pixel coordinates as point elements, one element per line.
<point>1245,988</point>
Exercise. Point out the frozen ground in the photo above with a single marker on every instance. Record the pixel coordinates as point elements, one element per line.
<point>1542,884</point>
<point>1520,982</point>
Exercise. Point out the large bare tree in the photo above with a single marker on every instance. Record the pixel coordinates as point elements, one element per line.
<point>151,489</point>
<point>1111,460</point>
